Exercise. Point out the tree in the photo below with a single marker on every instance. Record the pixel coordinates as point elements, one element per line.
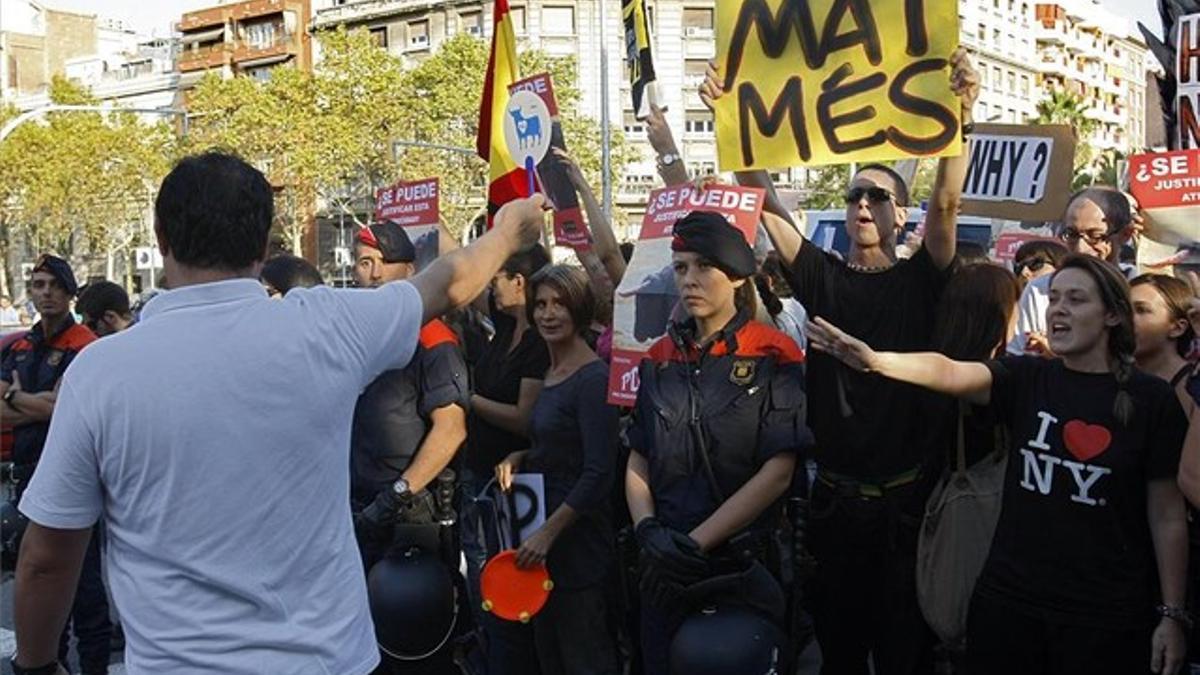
<point>1065,107</point>
<point>81,182</point>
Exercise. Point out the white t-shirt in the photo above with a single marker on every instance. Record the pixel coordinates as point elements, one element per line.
<point>214,438</point>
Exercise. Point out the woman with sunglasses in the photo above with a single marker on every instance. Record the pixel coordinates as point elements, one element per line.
<point>716,428</point>
<point>1036,259</point>
<point>1096,224</point>
<point>1087,570</point>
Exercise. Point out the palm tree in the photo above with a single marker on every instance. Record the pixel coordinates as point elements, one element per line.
<point>1064,107</point>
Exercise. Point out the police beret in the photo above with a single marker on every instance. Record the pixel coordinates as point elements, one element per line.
<point>391,240</point>
<point>60,269</point>
<point>711,236</point>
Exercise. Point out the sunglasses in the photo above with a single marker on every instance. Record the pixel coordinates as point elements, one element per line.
<point>875,194</point>
<point>1035,265</point>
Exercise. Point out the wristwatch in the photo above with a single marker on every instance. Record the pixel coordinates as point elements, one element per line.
<point>668,159</point>
<point>48,669</point>
<point>402,491</point>
<point>1179,614</point>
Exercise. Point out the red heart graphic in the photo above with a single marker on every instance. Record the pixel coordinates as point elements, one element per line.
<point>1084,440</point>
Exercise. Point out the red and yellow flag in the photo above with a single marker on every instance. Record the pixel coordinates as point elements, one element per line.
<point>506,180</point>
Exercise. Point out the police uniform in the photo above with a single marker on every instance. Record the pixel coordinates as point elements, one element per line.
<point>40,360</point>
<point>707,418</point>
<point>391,417</point>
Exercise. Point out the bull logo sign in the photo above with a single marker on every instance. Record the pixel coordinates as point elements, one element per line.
<point>527,128</point>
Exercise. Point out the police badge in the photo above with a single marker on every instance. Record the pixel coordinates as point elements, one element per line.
<point>742,372</point>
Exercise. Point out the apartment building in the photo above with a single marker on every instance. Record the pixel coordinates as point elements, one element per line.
<point>244,38</point>
<point>1091,52</point>
<point>999,36</point>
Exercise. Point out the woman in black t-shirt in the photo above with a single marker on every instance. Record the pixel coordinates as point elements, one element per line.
<point>1091,515</point>
<point>574,434</point>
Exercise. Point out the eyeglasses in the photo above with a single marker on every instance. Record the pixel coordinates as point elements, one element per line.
<point>1072,235</point>
<point>875,194</point>
<point>1034,265</point>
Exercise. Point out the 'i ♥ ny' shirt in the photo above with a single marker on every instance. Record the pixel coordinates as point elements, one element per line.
<point>1073,541</point>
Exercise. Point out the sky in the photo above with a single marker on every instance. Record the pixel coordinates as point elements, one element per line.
<point>157,15</point>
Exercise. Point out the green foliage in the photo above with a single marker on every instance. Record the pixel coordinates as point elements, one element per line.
<point>80,182</point>
<point>1064,107</point>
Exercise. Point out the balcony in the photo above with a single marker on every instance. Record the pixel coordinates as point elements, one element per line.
<point>245,50</point>
<point>203,58</point>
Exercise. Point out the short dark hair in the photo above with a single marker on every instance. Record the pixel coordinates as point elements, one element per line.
<point>99,297</point>
<point>902,195</point>
<point>214,211</point>
<point>1112,203</point>
<point>285,272</point>
<point>1047,249</point>
<point>526,263</point>
<point>571,284</point>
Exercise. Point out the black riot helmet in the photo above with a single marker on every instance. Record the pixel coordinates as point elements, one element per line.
<point>730,639</point>
<point>12,528</point>
<point>413,603</point>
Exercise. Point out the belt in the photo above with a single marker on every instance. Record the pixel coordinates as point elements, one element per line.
<point>847,486</point>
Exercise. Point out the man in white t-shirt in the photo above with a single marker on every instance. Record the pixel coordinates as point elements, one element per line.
<point>213,439</point>
<point>1097,224</point>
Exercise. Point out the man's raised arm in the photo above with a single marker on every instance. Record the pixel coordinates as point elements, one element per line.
<point>461,275</point>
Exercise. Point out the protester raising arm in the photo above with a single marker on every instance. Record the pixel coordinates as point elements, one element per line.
<point>970,381</point>
<point>460,276</point>
<point>604,242</point>
<point>667,157</point>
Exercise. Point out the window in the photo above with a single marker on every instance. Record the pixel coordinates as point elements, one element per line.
<point>996,81</point>
<point>259,74</point>
<point>472,23</point>
<point>697,22</point>
<point>693,72</point>
<point>699,169</point>
<point>1025,86</point>
<point>983,78</point>
<point>558,20</point>
<point>982,33</point>
<point>996,36</point>
<point>633,126</point>
<point>1012,115</point>
<point>997,113</point>
<point>698,123</point>
<point>518,18</point>
<point>418,35</point>
<point>380,36</point>
<point>261,35</point>
<point>1012,82</point>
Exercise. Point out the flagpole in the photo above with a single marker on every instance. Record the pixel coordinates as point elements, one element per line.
<point>605,140</point>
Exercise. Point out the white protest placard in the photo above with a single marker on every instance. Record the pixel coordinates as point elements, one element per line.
<point>524,506</point>
<point>1019,172</point>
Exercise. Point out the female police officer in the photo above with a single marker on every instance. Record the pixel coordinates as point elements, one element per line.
<point>718,423</point>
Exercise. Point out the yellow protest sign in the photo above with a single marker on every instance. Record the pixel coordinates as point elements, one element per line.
<point>835,81</point>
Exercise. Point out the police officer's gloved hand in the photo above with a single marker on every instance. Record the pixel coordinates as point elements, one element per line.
<point>672,556</point>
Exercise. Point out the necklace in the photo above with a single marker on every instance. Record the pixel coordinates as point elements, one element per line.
<point>869,269</point>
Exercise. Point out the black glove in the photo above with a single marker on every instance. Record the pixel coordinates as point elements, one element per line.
<point>419,510</point>
<point>673,557</point>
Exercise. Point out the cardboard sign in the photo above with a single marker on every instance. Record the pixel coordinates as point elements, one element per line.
<point>1187,78</point>
<point>816,82</point>
<point>647,299</point>
<point>1019,172</point>
<point>413,205</point>
<point>551,172</point>
<point>1167,186</point>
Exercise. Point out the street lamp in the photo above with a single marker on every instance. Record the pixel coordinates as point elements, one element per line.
<point>57,107</point>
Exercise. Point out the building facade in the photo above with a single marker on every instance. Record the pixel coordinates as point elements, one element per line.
<point>999,36</point>
<point>1093,53</point>
<point>244,38</point>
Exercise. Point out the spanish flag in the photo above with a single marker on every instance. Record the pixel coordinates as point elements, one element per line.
<point>506,180</point>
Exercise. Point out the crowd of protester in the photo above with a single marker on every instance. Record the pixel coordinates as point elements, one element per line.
<point>774,492</point>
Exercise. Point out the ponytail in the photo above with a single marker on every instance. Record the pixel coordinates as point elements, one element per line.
<point>770,301</point>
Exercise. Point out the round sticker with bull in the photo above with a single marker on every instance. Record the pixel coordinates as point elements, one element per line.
<point>527,127</point>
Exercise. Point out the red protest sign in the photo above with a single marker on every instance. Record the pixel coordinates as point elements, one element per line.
<point>647,298</point>
<point>1008,243</point>
<point>1167,187</point>
<point>408,203</point>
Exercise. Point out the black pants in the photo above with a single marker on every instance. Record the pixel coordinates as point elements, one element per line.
<point>89,615</point>
<point>864,598</point>
<point>573,636</point>
<point>1001,641</point>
